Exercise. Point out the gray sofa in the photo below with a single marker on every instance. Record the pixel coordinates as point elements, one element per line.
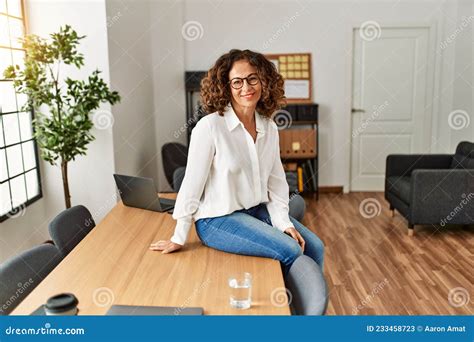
<point>432,188</point>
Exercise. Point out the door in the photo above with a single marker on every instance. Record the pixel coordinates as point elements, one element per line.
<point>390,101</point>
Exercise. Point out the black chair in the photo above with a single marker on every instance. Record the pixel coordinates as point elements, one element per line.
<point>308,291</point>
<point>432,188</point>
<point>173,156</point>
<point>22,273</point>
<point>70,227</point>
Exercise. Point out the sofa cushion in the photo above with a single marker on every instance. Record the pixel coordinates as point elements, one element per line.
<point>466,149</point>
<point>470,162</point>
<point>464,156</point>
<point>458,161</point>
<point>462,162</point>
<point>400,186</point>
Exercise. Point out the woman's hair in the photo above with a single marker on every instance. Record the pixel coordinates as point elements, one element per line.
<point>215,87</point>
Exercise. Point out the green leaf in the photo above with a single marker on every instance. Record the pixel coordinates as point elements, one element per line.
<point>66,131</point>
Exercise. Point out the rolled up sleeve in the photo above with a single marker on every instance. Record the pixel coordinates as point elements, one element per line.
<point>200,155</point>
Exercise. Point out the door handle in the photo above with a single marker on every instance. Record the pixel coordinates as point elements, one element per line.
<point>357,110</point>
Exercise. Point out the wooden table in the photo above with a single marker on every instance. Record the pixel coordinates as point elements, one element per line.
<point>113,265</point>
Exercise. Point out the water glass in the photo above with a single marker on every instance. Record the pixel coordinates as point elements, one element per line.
<point>240,290</point>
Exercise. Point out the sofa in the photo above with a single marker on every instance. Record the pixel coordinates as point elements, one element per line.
<point>436,189</point>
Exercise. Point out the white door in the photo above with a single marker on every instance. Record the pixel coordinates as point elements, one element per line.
<point>391,100</point>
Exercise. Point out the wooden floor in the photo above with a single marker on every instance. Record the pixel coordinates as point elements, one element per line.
<point>373,267</point>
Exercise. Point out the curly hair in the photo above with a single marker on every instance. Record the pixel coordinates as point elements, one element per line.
<point>215,88</point>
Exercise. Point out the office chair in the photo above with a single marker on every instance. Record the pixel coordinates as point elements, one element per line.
<point>307,286</point>
<point>22,273</point>
<point>70,227</point>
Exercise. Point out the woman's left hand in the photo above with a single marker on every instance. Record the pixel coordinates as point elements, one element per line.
<point>291,231</point>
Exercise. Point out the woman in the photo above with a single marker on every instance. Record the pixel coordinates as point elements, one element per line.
<point>235,186</point>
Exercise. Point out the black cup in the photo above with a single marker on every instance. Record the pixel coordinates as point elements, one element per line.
<point>64,304</point>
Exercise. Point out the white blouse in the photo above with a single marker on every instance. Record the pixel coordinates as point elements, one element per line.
<point>226,171</point>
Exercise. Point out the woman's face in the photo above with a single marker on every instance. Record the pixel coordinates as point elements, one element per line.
<point>245,93</point>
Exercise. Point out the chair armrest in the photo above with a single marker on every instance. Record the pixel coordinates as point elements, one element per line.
<point>437,194</point>
<point>403,164</point>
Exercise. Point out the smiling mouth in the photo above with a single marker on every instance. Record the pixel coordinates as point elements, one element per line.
<point>248,95</point>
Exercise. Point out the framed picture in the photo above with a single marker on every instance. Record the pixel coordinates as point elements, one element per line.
<point>295,68</point>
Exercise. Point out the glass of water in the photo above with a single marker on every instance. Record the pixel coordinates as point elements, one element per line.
<point>240,290</point>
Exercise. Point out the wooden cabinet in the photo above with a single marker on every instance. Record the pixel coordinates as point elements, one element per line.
<point>299,146</point>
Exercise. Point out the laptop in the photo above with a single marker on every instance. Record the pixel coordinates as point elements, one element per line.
<point>140,192</point>
<point>130,310</point>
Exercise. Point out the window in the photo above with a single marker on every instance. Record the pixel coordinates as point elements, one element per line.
<point>19,173</point>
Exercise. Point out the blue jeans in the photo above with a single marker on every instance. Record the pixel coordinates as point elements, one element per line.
<point>250,232</point>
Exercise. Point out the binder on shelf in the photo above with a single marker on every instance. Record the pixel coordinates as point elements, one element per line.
<point>313,175</point>
<point>300,179</point>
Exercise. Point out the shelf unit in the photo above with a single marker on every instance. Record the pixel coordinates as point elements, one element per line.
<point>309,114</point>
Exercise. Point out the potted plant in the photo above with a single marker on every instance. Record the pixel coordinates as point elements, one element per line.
<point>63,131</point>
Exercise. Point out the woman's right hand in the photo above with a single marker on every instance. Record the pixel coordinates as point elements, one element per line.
<point>166,246</point>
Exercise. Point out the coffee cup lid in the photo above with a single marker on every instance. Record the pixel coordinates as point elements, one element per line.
<point>61,302</point>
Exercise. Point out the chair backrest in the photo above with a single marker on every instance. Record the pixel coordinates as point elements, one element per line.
<point>69,227</point>
<point>22,273</point>
<point>464,156</point>
<point>297,207</point>
<point>178,177</point>
<point>307,286</point>
<point>173,155</point>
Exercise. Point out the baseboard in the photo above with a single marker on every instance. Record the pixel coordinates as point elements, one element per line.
<point>330,189</point>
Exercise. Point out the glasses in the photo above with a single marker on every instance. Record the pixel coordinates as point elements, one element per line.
<point>238,82</point>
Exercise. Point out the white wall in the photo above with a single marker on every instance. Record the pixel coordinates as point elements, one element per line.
<point>324,29</point>
<point>463,86</point>
<point>168,76</point>
<point>131,73</point>
<point>90,177</point>
<point>147,66</point>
